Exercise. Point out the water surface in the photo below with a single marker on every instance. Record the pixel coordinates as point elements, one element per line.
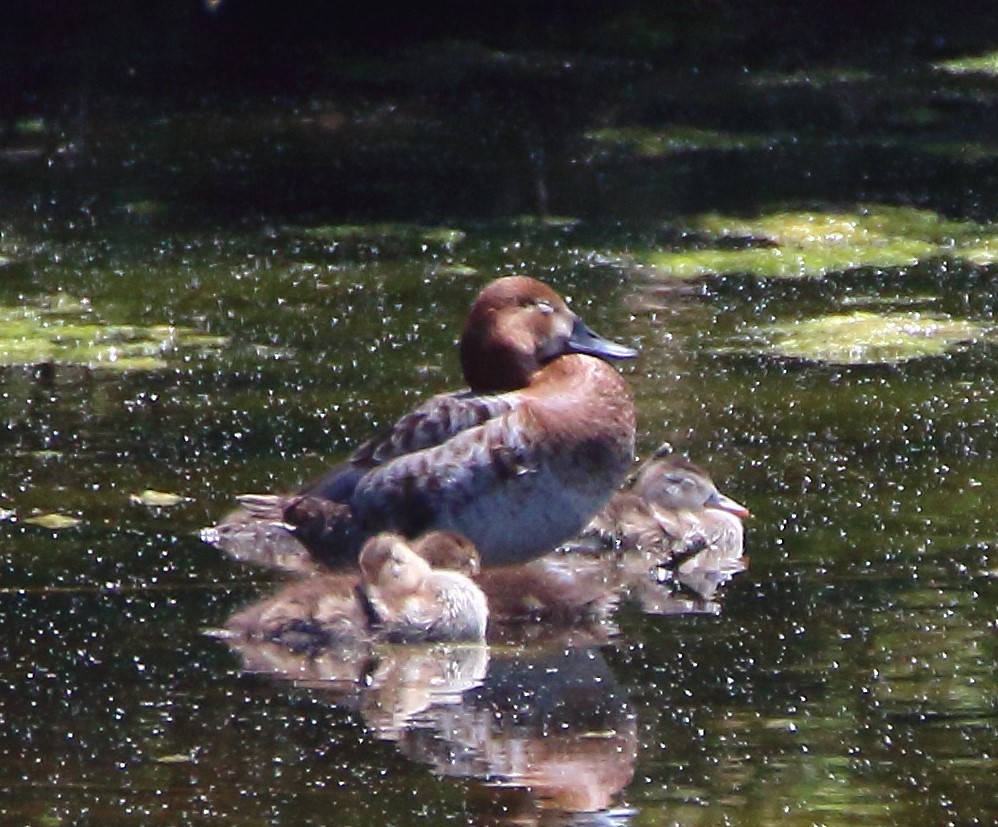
<point>227,298</point>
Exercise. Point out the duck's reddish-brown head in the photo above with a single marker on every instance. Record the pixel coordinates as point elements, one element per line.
<point>515,327</point>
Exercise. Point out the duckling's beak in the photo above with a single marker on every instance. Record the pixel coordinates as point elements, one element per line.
<point>722,503</point>
<point>583,340</point>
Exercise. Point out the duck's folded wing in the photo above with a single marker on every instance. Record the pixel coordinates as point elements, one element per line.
<point>411,492</point>
<point>433,423</point>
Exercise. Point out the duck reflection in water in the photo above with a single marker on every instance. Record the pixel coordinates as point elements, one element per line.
<point>538,729</point>
<point>535,730</point>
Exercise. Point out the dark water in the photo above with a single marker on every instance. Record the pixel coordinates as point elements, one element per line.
<point>848,675</point>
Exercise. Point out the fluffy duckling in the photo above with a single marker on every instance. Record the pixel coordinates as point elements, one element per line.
<point>564,587</point>
<point>671,509</point>
<point>413,601</point>
<point>672,506</point>
<point>397,596</point>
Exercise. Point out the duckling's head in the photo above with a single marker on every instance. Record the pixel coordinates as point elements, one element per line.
<point>449,550</point>
<point>387,561</point>
<point>676,483</point>
<point>516,326</point>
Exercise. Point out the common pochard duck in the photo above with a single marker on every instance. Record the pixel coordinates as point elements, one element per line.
<point>402,593</point>
<point>518,463</point>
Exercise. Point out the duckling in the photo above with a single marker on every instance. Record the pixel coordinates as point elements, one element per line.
<point>672,506</point>
<point>671,510</point>
<point>413,601</point>
<point>397,596</point>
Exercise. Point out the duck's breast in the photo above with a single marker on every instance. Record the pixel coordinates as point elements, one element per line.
<point>518,521</point>
<point>509,487</point>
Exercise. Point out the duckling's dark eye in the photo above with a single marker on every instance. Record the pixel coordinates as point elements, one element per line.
<point>545,307</point>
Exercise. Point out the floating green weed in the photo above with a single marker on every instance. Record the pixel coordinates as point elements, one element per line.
<point>144,208</point>
<point>455,270</point>
<point>966,151</point>
<point>52,521</point>
<point>865,338</point>
<point>396,232</point>
<point>812,77</point>
<point>157,499</point>
<point>30,126</point>
<point>176,758</point>
<point>983,253</point>
<point>775,262</point>
<point>872,224</point>
<point>63,329</point>
<point>986,64</point>
<point>547,222</point>
<point>811,243</point>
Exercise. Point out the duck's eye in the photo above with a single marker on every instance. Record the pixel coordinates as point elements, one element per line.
<point>545,307</point>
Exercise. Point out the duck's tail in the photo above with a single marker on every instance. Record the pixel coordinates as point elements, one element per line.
<point>265,507</point>
<point>293,532</point>
<point>257,533</point>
